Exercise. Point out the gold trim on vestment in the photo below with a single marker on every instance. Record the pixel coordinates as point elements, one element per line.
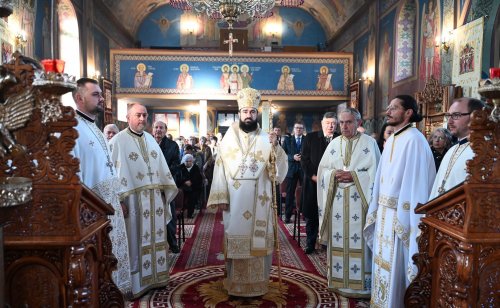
<point>388,201</point>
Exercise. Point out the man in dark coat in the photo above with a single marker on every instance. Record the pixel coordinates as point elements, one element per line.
<point>292,148</point>
<point>313,147</point>
<point>170,150</point>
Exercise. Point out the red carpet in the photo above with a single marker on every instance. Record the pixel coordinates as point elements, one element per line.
<point>197,273</point>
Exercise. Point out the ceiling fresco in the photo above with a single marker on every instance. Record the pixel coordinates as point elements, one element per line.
<point>331,14</point>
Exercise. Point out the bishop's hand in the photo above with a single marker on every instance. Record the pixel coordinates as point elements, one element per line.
<point>273,139</point>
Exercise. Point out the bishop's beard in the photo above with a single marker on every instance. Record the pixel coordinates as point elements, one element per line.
<point>248,127</point>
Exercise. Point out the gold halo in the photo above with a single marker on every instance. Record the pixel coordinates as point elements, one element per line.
<point>141,65</point>
<point>244,66</point>
<point>224,65</point>
<point>285,66</point>
<point>237,68</point>
<point>184,65</point>
<point>323,67</point>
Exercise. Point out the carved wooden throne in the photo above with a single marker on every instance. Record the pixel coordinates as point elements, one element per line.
<point>57,248</point>
<point>459,247</point>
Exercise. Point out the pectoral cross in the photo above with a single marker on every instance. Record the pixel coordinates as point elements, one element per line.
<point>230,41</point>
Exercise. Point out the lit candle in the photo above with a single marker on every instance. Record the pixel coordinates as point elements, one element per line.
<point>494,72</point>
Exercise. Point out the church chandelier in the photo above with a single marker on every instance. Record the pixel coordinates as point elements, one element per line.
<point>232,10</point>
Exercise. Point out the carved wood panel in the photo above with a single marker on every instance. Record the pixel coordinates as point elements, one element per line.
<point>57,247</point>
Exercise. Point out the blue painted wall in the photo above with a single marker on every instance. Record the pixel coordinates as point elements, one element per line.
<point>161,28</point>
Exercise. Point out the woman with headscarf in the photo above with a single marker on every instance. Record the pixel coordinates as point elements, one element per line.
<point>190,181</point>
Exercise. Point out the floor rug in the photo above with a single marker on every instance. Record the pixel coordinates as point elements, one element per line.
<point>197,273</point>
<point>203,288</point>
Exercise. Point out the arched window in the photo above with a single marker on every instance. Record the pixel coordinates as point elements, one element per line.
<point>404,65</point>
<point>69,43</point>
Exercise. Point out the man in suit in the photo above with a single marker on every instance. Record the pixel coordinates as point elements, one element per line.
<point>170,150</point>
<point>313,147</point>
<point>292,148</point>
<point>277,131</point>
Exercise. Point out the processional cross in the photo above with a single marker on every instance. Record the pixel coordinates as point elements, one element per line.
<point>230,41</point>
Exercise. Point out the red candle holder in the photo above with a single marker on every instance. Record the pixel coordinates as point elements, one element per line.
<point>49,65</point>
<point>494,72</point>
<point>60,66</point>
<point>53,65</point>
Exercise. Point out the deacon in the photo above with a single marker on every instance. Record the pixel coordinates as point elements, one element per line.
<point>146,189</point>
<point>98,173</point>
<point>242,188</point>
<point>453,170</point>
<point>346,174</point>
<point>404,178</point>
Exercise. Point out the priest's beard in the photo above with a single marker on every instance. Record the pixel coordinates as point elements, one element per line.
<point>248,126</point>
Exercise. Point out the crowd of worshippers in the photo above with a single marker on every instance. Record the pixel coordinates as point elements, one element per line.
<point>361,191</point>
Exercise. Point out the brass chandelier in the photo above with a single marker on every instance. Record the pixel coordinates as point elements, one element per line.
<point>232,10</point>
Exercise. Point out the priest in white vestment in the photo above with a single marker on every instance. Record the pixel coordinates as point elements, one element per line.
<point>404,178</point>
<point>346,174</point>
<point>98,173</point>
<point>453,169</point>
<point>242,187</point>
<point>146,189</point>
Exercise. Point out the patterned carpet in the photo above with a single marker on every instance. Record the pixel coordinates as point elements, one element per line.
<point>197,272</point>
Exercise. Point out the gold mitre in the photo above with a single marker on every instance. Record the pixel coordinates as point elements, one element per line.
<point>248,98</point>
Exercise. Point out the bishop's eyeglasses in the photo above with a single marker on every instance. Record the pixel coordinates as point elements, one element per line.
<point>455,115</point>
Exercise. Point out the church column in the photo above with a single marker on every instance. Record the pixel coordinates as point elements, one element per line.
<point>203,118</point>
<point>266,116</point>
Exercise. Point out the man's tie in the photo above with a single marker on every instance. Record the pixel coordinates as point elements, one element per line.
<point>298,143</point>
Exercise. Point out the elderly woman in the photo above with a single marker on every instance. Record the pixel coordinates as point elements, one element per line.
<point>189,179</point>
<point>110,131</point>
<point>440,141</point>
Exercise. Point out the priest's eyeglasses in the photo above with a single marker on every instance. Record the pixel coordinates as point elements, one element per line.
<point>455,115</point>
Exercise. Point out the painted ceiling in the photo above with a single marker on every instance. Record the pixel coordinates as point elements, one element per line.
<point>331,14</point>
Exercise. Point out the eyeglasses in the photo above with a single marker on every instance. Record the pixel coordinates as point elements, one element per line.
<point>297,127</point>
<point>455,115</point>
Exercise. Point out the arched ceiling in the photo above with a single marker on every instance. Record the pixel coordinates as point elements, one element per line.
<point>331,14</point>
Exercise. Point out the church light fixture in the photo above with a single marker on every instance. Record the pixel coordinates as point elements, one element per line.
<point>230,10</point>
<point>292,3</point>
<point>181,4</point>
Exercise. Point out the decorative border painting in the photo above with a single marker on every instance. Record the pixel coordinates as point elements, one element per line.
<point>467,56</point>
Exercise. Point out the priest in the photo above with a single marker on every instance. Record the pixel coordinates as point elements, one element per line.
<point>404,178</point>
<point>242,188</point>
<point>453,169</point>
<point>346,174</point>
<point>98,173</point>
<point>146,189</point>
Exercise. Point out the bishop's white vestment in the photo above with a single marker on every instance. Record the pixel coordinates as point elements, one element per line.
<point>453,169</point>
<point>146,188</point>
<point>98,173</point>
<point>404,178</point>
<point>342,212</point>
<point>241,179</point>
